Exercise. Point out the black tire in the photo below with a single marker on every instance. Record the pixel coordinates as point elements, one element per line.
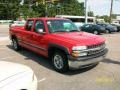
<point>60,65</point>
<point>96,32</point>
<point>108,31</point>
<point>15,44</point>
<point>118,30</point>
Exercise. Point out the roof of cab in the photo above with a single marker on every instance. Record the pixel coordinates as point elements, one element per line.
<point>46,18</point>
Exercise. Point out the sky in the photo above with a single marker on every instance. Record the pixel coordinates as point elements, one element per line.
<point>102,7</point>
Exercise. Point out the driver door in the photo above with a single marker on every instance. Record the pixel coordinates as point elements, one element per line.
<point>38,38</point>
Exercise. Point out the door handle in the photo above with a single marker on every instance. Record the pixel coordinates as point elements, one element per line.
<point>34,36</point>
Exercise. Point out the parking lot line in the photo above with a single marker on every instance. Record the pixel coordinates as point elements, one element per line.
<point>41,80</point>
<point>4,38</point>
<point>3,48</point>
<point>5,58</point>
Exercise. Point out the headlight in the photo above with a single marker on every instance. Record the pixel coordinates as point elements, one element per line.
<point>79,48</point>
<point>79,51</point>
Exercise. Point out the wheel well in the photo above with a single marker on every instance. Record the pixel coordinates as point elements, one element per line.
<point>52,50</point>
<point>13,37</point>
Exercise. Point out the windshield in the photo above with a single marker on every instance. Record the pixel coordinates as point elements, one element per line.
<point>61,26</point>
<point>108,25</point>
<point>99,26</point>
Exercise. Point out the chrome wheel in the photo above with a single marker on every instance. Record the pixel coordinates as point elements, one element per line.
<point>96,32</point>
<point>15,44</point>
<point>107,31</point>
<point>58,61</point>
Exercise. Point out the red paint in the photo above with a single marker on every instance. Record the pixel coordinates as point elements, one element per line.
<point>65,39</point>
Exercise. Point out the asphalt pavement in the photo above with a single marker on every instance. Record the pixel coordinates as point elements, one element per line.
<point>104,76</point>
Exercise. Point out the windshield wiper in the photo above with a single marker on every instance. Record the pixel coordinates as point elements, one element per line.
<point>67,31</point>
<point>74,31</point>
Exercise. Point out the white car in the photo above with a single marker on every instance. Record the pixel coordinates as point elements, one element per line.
<point>16,77</point>
<point>18,23</point>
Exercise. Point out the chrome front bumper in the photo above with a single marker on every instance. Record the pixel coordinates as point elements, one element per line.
<point>75,63</point>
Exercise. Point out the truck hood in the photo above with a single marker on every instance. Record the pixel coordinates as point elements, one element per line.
<point>10,70</point>
<point>79,38</point>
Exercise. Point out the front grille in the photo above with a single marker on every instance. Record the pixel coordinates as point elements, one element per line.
<point>96,45</point>
<point>95,49</point>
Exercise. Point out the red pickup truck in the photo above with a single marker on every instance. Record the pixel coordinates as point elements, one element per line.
<point>61,41</point>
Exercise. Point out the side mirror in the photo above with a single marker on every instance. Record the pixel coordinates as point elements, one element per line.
<point>41,31</point>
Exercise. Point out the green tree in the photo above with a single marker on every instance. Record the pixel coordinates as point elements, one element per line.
<point>39,10</point>
<point>11,9</point>
<point>72,7</point>
<point>90,13</point>
<point>105,17</point>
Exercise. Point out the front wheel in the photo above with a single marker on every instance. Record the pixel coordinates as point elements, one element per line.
<point>60,61</point>
<point>96,32</point>
<point>15,44</point>
<point>108,31</point>
<point>118,30</point>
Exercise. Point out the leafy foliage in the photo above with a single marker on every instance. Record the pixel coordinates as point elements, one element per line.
<point>90,13</point>
<point>72,7</point>
<point>12,9</point>
<point>107,18</point>
<point>9,11</point>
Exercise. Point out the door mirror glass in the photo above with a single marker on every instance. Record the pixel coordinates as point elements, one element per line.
<point>39,27</point>
<point>40,30</point>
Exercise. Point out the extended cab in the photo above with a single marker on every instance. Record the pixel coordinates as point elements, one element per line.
<point>61,41</point>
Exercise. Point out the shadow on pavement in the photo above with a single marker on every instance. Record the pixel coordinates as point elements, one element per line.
<point>79,71</point>
<point>111,61</point>
<point>29,55</point>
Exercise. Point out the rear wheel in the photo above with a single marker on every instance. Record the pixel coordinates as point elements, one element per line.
<point>15,44</point>
<point>108,31</point>
<point>60,61</point>
<point>118,30</point>
<point>96,32</point>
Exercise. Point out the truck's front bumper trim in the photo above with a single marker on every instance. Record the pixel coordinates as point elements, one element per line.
<point>75,63</point>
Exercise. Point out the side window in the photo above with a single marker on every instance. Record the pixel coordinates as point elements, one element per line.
<point>29,25</point>
<point>39,27</point>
